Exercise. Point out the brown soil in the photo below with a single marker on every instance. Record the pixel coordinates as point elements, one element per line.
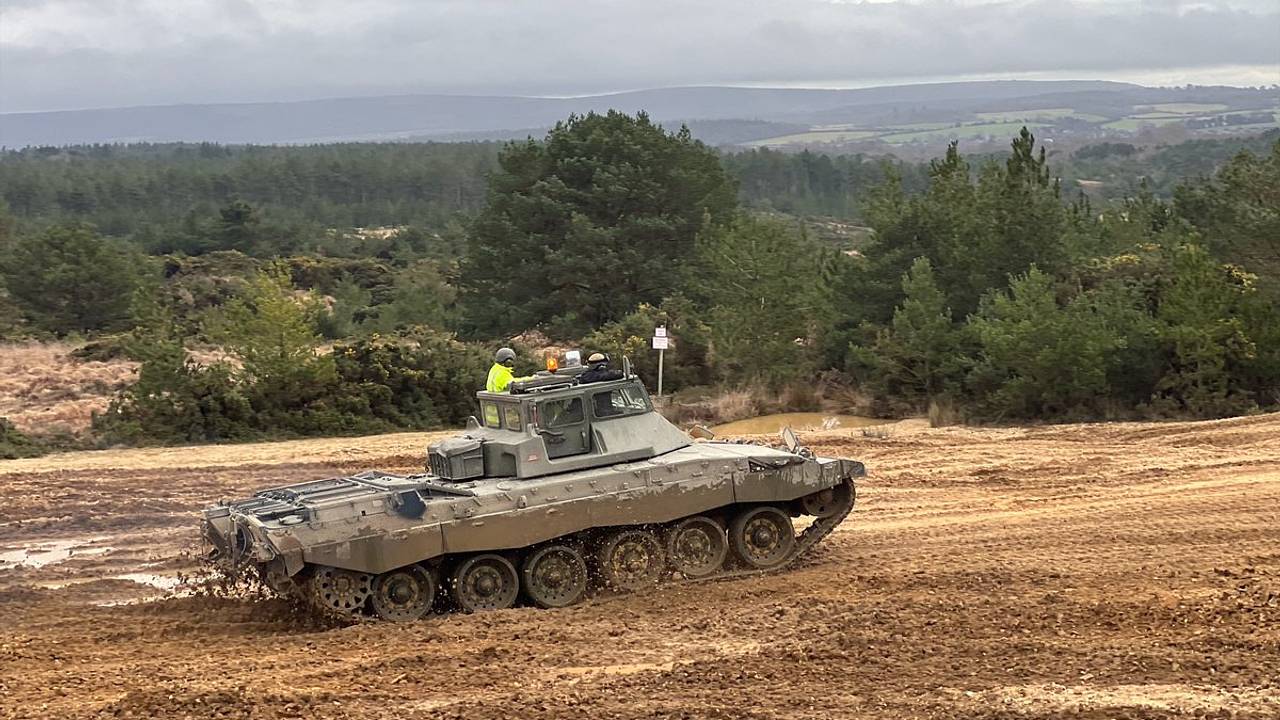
<point>1084,571</point>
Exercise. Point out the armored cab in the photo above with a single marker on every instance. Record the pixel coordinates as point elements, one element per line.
<point>556,489</point>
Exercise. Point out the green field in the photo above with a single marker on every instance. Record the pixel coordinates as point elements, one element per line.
<point>1004,124</point>
<point>901,133</point>
<point>816,136</point>
<point>1132,124</point>
<point>905,127</point>
<point>1045,114</point>
<point>963,132</point>
<point>1185,108</point>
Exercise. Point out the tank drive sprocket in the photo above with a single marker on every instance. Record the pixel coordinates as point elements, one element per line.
<point>340,591</point>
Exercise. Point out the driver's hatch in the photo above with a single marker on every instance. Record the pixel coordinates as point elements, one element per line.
<point>563,425</point>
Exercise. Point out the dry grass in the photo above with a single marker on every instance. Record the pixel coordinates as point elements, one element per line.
<point>877,432</point>
<point>944,412</point>
<point>43,389</point>
<point>736,405</point>
<point>721,407</point>
<point>718,409</point>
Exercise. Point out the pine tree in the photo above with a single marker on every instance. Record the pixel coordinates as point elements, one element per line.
<point>1039,358</point>
<point>586,225</point>
<point>68,279</point>
<point>768,313</point>
<point>920,357</point>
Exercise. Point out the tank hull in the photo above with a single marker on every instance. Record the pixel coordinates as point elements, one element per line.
<point>373,524</point>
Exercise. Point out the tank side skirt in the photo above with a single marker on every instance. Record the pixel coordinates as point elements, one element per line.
<point>648,503</point>
<point>378,552</point>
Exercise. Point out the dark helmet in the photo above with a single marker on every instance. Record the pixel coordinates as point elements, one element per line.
<point>596,357</point>
<point>506,356</point>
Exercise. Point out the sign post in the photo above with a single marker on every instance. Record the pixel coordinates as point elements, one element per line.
<point>660,343</point>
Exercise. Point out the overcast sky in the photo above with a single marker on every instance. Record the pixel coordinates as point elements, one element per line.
<point>61,54</point>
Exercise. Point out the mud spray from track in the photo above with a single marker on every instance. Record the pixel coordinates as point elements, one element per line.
<point>1091,571</point>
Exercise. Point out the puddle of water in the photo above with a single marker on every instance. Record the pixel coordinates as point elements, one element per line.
<point>772,424</point>
<point>50,552</point>
<point>166,583</point>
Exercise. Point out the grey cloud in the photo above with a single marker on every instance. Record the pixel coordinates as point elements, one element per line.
<point>70,53</point>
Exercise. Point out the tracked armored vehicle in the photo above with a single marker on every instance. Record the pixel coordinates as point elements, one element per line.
<point>559,489</point>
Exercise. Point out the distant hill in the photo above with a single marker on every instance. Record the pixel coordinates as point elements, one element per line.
<point>463,117</point>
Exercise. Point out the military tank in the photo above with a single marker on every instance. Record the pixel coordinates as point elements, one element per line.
<point>558,490</point>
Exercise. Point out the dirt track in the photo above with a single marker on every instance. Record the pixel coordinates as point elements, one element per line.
<point>1093,571</point>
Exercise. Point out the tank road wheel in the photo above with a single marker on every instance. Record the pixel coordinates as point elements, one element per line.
<point>342,591</point>
<point>554,576</point>
<point>630,559</point>
<point>825,503</point>
<point>696,546</point>
<point>762,537</point>
<point>485,582</point>
<point>404,594</point>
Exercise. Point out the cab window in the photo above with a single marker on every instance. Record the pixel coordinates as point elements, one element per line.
<point>511,416</point>
<point>490,411</point>
<point>619,402</point>
<point>558,413</point>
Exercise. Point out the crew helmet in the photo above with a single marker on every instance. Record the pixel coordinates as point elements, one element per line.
<point>596,357</point>
<point>505,356</point>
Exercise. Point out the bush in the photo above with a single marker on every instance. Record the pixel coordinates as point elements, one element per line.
<point>1203,329</point>
<point>177,400</point>
<point>14,444</point>
<point>424,379</point>
<point>281,385</point>
<point>104,349</point>
<point>1039,359</point>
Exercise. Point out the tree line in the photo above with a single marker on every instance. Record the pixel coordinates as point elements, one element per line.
<point>156,193</point>
<point>172,197</point>
<point>987,292</point>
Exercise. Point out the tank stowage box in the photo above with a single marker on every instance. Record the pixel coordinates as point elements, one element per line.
<point>555,490</point>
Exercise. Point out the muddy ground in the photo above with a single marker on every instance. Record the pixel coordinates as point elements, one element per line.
<point>1086,571</point>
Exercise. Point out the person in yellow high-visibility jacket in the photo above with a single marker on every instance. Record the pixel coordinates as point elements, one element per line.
<point>500,375</point>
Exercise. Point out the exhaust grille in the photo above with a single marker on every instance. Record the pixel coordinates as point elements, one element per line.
<point>438,465</point>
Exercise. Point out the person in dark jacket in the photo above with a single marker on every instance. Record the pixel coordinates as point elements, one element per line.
<point>598,370</point>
